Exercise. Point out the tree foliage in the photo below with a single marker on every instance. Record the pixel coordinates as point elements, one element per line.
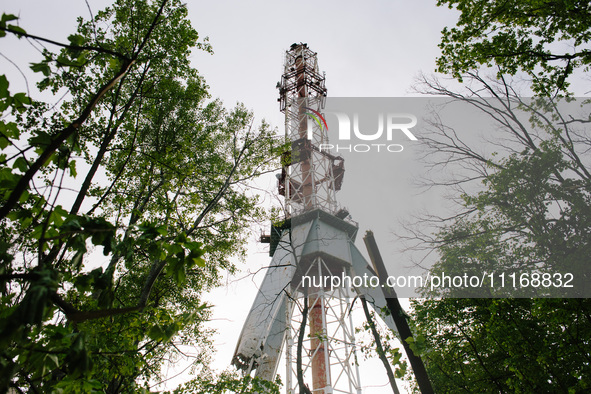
<point>530,210</point>
<point>524,209</point>
<point>229,382</point>
<point>119,205</point>
<point>524,197</point>
<point>527,345</point>
<point>548,39</point>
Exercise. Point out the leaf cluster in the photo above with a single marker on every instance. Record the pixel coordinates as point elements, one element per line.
<point>547,40</point>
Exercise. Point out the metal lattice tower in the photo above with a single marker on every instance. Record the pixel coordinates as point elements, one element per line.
<point>296,310</point>
<point>313,177</point>
<point>310,182</point>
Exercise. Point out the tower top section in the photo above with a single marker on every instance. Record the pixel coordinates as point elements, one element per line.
<point>310,177</point>
<point>301,78</point>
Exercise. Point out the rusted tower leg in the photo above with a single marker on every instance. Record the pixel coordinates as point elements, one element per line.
<point>320,377</point>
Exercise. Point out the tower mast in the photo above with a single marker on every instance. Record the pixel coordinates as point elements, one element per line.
<point>308,183</point>
<point>313,244</point>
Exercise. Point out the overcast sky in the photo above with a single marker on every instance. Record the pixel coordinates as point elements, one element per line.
<point>368,49</point>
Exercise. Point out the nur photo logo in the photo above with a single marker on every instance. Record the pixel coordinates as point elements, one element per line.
<point>389,127</point>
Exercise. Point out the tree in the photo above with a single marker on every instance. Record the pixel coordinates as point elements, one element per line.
<point>548,40</point>
<point>529,215</point>
<point>531,209</point>
<point>527,345</point>
<point>137,165</point>
<point>524,208</point>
